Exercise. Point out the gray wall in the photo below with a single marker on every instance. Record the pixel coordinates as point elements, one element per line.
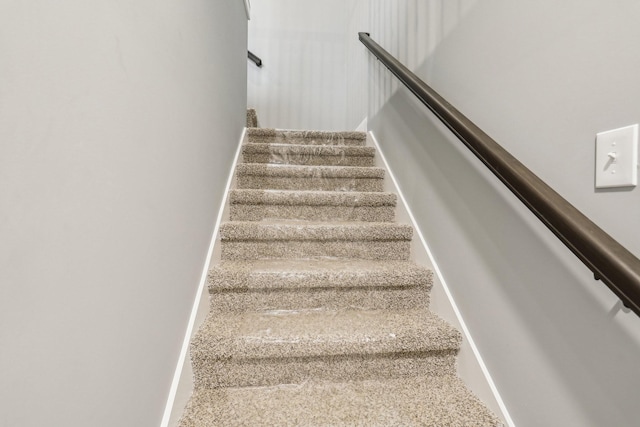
<point>542,78</point>
<point>118,124</point>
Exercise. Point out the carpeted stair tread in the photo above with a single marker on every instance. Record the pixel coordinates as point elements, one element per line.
<point>317,316</point>
<point>249,372</point>
<point>301,171</point>
<point>284,346</point>
<point>329,298</point>
<point>311,198</point>
<point>414,401</point>
<point>299,154</point>
<point>311,284</point>
<point>302,177</point>
<point>319,333</point>
<point>306,230</point>
<point>246,240</point>
<point>259,205</point>
<point>311,137</point>
<point>300,274</point>
<point>309,150</point>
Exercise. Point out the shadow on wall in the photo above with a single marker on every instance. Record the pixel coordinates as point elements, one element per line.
<point>539,287</point>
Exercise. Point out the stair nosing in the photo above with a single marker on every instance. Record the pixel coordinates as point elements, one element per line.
<point>221,338</point>
<point>319,150</point>
<point>312,198</point>
<point>314,231</point>
<point>309,171</point>
<point>409,401</point>
<point>292,133</point>
<point>310,274</point>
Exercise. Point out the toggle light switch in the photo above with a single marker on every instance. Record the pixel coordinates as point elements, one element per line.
<point>617,158</point>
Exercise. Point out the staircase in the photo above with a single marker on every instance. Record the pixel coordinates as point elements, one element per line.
<point>318,316</point>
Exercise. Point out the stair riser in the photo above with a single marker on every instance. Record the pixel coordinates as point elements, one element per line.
<point>298,299</point>
<point>305,141</point>
<point>287,249</point>
<point>296,231</point>
<point>309,160</point>
<point>312,198</point>
<point>312,183</point>
<point>418,401</point>
<point>312,213</point>
<point>265,372</point>
<point>240,279</point>
<point>252,118</point>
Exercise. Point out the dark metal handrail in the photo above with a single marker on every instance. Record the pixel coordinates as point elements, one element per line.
<point>254,58</point>
<point>609,261</point>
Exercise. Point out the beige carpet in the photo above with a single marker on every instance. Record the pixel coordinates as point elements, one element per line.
<point>318,315</point>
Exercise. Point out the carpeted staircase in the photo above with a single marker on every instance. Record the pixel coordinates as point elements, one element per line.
<point>318,316</point>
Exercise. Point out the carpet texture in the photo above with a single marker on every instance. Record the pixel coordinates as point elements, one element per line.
<point>318,317</point>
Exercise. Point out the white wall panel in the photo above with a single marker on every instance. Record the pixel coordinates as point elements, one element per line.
<point>303,81</point>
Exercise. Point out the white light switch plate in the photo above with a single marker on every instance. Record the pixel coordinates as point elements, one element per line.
<point>617,157</point>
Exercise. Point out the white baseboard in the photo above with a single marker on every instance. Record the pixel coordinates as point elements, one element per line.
<point>169,407</point>
<point>362,127</point>
<point>247,8</point>
<point>465,331</point>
